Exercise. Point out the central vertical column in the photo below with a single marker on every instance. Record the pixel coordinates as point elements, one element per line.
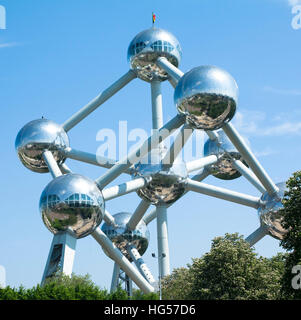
<point>162,238</point>
<point>162,234</point>
<point>157,111</point>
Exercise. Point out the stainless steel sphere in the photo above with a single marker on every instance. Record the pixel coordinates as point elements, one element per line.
<point>147,47</point>
<point>72,203</point>
<point>207,96</point>
<point>270,214</point>
<point>37,136</point>
<point>225,151</point>
<point>122,237</point>
<point>166,182</point>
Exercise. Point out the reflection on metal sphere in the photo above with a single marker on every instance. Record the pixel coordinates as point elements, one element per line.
<point>72,203</point>
<point>37,136</point>
<point>270,214</point>
<point>207,96</point>
<point>224,168</point>
<point>147,47</point>
<point>167,183</point>
<point>122,237</point>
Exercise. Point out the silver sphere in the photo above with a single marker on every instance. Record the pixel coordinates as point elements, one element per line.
<point>37,136</point>
<point>166,182</point>
<point>72,203</point>
<point>122,237</point>
<point>225,151</point>
<point>270,214</point>
<point>207,96</point>
<point>147,47</point>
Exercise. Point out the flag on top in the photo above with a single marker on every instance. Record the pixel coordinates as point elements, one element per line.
<point>154,18</point>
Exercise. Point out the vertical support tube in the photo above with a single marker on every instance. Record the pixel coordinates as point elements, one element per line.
<point>61,256</point>
<point>157,112</point>
<point>257,235</point>
<point>162,238</point>
<point>115,277</point>
<point>249,157</point>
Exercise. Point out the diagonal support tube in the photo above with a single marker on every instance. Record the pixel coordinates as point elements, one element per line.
<point>99,100</point>
<point>124,188</point>
<point>52,164</point>
<point>257,235</point>
<point>249,157</point>
<point>152,142</point>
<point>172,71</point>
<point>224,194</point>
<point>249,175</point>
<point>140,264</point>
<point>178,144</point>
<point>138,214</point>
<point>122,261</point>
<point>201,163</point>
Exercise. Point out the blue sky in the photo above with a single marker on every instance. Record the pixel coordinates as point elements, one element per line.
<point>57,55</point>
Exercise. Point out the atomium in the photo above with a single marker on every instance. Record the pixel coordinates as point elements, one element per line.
<point>73,206</point>
<point>122,236</point>
<point>270,213</point>
<point>207,96</point>
<point>225,151</point>
<point>72,203</point>
<point>37,136</point>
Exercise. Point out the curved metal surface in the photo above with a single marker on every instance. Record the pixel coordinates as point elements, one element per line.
<point>72,203</point>
<point>207,96</point>
<point>147,47</point>
<point>36,137</point>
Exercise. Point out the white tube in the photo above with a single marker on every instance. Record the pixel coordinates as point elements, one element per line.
<point>100,99</point>
<point>124,188</point>
<point>172,71</point>
<point>249,175</point>
<point>122,261</point>
<point>201,163</point>
<point>162,238</point>
<point>52,164</point>
<point>140,264</point>
<point>152,142</point>
<point>257,235</point>
<point>249,157</point>
<point>138,214</point>
<point>115,277</point>
<point>224,194</point>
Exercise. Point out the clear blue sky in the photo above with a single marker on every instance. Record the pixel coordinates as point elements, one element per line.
<point>57,55</point>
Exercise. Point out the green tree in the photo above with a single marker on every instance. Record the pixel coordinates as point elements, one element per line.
<point>177,286</point>
<point>232,270</point>
<point>291,213</point>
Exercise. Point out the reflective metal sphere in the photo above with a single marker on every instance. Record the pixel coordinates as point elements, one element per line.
<point>37,136</point>
<point>122,237</point>
<point>147,47</point>
<point>207,96</point>
<point>72,203</point>
<point>224,168</point>
<point>167,183</point>
<point>270,216</point>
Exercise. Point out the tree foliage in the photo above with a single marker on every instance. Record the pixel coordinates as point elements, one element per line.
<point>291,213</point>
<point>231,270</point>
<point>62,287</point>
